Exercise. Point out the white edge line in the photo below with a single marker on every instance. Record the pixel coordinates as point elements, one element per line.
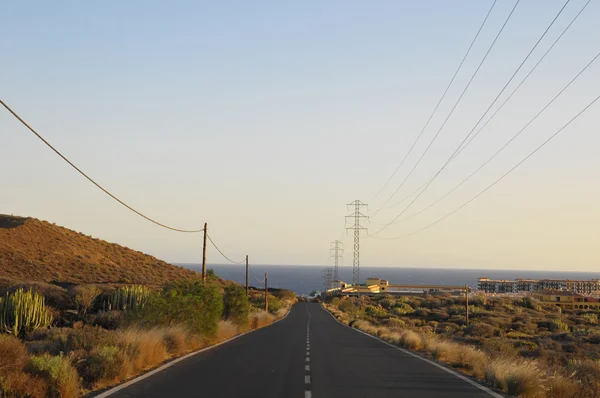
<point>464,378</point>
<point>176,360</point>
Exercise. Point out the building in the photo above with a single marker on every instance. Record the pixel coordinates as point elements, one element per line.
<point>519,285</point>
<point>488,285</point>
<point>567,300</point>
<point>382,286</point>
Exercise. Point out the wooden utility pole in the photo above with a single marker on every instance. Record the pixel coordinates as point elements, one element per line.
<point>247,276</point>
<point>266,292</point>
<point>467,304</point>
<point>204,253</point>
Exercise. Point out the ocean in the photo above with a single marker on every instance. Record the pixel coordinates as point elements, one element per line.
<point>304,279</point>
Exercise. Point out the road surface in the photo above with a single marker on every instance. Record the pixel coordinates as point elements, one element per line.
<point>307,354</point>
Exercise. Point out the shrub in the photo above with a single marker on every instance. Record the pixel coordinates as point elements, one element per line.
<point>235,305</point>
<point>447,327</point>
<point>346,306</point>
<point>556,325</point>
<point>480,330</point>
<point>84,297</point>
<point>373,311</point>
<point>194,304</point>
<point>394,323</point>
<point>21,384</point>
<point>587,373</point>
<point>102,363</point>
<point>13,354</point>
<point>62,378</point>
<point>403,309</point>
<point>110,320</point>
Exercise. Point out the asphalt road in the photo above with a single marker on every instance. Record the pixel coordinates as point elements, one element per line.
<point>308,354</point>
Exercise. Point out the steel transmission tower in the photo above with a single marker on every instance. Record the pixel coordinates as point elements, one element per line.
<point>336,251</point>
<point>357,227</point>
<point>327,274</point>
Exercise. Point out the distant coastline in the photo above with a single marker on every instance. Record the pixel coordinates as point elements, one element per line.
<point>303,279</point>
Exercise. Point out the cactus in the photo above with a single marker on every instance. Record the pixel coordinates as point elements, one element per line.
<point>127,298</point>
<point>23,311</point>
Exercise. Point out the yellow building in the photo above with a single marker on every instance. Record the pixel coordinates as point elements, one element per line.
<point>567,300</point>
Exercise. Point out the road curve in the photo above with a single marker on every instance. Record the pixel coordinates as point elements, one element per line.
<point>308,354</point>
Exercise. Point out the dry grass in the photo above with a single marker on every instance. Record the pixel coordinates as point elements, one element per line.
<point>21,384</point>
<point>260,319</point>
<point>177,340</point>
<point>521,377</point>
<point>226,330</point>
<point>13,354</point>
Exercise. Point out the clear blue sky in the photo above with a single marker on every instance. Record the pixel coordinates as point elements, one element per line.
<point>265,118</point>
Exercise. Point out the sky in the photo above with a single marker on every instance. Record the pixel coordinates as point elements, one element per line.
<point>264,119</point>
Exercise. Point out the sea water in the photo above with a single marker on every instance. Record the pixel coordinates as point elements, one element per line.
<point>304,279</point>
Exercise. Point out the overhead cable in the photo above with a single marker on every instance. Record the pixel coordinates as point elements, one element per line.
<point>91,180</point>
<point>223,254</point>
<point>499,179</point>
<point>504,146</point>
<point>503,103</point>
<point>436,106</point>
<point>452,157</point>
<point>453,107</point>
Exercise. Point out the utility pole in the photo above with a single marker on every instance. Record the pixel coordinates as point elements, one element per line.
<point>467,305</point>
<point>266,292</point>
<point>204,253</point>
<point>336,251</point>
<point>247,276</point>
<point>357,227</point>
<point>327,274</point>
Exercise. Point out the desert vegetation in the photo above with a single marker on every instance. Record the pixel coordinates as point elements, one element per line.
<point>63,342</point>
<point>518,345</point>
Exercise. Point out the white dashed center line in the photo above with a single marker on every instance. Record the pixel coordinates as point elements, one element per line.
<point>307,382</point>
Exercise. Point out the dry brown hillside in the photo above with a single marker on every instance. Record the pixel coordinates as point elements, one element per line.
<point>34,250</point>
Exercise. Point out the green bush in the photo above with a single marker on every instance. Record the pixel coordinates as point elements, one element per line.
<point>403,309</point>
<point>192,303</point>
<point>346,306</point>
<point>556,325</point>
<point>103,363</point>
<point>235,305</point>
<point>62,378</point>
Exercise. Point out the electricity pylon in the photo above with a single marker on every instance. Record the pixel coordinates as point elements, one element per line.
<point>357,227</point>
<point>335,252</point>
<point>327,274</point>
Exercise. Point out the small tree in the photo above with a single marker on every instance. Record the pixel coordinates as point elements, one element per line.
<point>84,297</point>
<point>235,305</point>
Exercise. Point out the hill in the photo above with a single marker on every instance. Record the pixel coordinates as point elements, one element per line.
<point>38,251</point>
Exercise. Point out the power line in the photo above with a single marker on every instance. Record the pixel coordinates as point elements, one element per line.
<point>91,180</point>
<point>504,102</point>
<point>436,106</point>
<point>452,157</point>
<point>505,145</point>
<point>525,78</point>
<point>453,107</point>
<point>499,179</point>
<point>223,254</point>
